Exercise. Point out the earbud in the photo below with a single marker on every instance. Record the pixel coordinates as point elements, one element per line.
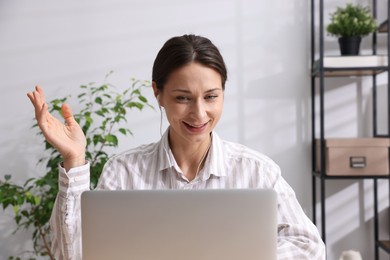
<point>158,99</point>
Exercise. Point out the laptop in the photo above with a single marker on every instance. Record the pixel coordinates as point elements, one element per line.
<point>218,224</point>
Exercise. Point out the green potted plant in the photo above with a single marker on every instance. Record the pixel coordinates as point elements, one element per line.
<point>102,117</point>
<point>350,24</point>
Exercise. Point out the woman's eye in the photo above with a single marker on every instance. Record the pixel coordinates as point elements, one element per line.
<point>182,98</point>
<point>211,96</point>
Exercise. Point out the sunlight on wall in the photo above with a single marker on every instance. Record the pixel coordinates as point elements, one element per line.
<point>383,199</point>
<point>342,213</point>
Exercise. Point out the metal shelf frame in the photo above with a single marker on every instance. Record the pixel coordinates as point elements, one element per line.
<point>318,75</point>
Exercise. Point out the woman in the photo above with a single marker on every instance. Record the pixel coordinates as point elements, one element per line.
<point>188,79</point>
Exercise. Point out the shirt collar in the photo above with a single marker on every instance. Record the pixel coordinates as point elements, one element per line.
<point>166,158</point>
<point>215,161</point>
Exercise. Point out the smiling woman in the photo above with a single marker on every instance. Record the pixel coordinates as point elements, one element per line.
<point>193,101</point>
<point>189,77</point>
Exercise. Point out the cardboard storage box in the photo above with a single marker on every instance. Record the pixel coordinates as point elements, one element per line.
<point>355,156</point>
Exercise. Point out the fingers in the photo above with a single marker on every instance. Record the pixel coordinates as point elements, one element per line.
<point>42,115</point>
<point>67,114</point>
<point>40,91</point>
<point>37,97</point>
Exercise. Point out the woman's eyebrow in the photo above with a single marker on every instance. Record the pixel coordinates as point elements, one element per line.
<point>214,89</point>
<point>181,90</point>
<point>189,92</point>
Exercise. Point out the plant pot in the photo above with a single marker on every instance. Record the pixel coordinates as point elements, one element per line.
<point>350,45</point>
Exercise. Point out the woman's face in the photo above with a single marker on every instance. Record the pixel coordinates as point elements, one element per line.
<point>193,101</point>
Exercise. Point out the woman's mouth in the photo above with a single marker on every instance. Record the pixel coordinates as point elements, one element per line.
<point>195,128</point>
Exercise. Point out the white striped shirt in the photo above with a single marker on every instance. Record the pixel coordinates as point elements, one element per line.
<point>153,166</point>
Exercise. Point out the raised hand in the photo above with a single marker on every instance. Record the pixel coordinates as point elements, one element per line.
<point>68,138</point>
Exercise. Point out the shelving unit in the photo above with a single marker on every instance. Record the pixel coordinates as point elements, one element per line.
<point>319,73</point>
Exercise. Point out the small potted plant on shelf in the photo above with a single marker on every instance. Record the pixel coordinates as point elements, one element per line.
<point>350,24</point>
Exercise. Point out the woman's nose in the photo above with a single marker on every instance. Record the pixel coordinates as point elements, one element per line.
<point>198,109</point>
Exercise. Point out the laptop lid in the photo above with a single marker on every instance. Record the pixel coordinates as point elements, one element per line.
<point>179,224</point>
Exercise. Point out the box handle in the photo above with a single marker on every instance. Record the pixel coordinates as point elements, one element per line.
<point>357,161</point>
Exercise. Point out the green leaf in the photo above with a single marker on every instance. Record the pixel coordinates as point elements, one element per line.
<point>143,99</point>
<point>135,104</point>
<point>17,219</point>
<point>112,139</point>
<point>88,141</point>
<point>97,139</point>
<point>98,100</point>
<point>117,106</point>
<point>123,131</point>
<point>20,199</point>
<point>88,155</point>
<point>118,118</point>
<point>28,194</point>
<point>36,200</point>
<point>99,113</point>
<point>24,213</point>
<point>136,92</point>
<point>7,177</point>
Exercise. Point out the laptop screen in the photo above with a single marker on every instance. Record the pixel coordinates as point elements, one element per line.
<point>179,224</point>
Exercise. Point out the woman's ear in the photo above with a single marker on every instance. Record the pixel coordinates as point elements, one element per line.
<point>155,89</point>
<point>156,93</point>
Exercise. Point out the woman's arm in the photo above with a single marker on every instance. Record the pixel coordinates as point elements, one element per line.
<point>69,140</point>
<point>65,221</point>
<point>298,237</point>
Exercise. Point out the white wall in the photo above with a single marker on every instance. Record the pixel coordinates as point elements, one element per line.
<point>61,45</point>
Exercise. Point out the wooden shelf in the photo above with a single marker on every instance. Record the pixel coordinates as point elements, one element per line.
<point>355,65</point>
<point>318,174</point>
<point>385,245</point>
<point>383,27</point>
<point>350,72</point>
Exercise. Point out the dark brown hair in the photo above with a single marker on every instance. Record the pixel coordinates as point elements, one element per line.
<point>181,50</point>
